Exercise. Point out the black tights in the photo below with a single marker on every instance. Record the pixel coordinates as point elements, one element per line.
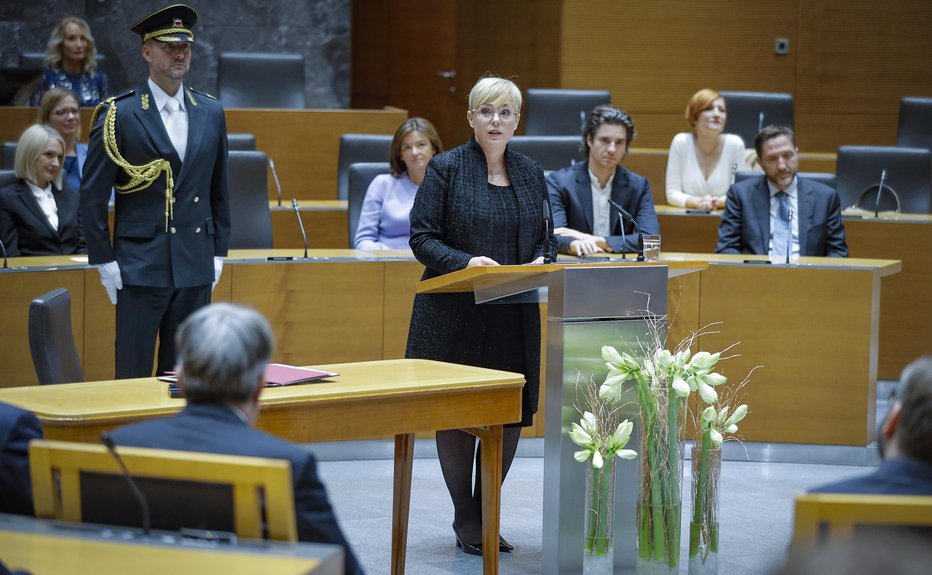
<point>457,452</point>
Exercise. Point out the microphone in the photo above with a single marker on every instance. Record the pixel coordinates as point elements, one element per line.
<point>760,122</point>
<point>107,440</point>
<point>294,204</point>
<point>546,233</point>
<point>278,186</point>
<point>883,176</point>
<point>789,236</point>
<point>637,229</point>
<point>6,264</point>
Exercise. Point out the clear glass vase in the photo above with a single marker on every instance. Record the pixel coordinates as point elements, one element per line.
<point>599,542</point>
<point>659,506</point>
<point>703,523</point>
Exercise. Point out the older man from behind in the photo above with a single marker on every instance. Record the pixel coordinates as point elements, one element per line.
<point>223,351</point>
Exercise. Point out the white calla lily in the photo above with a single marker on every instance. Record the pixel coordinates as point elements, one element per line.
<point>707,392</point>
<point>738,415</point>
<point>611,355</point>
<point>626,453</point>
<point>581,456</point>
<point>597,460</point>
<point>713,378</point>
<point>680,387</point>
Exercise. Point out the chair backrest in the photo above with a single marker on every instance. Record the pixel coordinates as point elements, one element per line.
<point>356,148</point>
<point>908,174</point>
<point>553,112</point>
<point>36,60</point>
<point>8,156</point>
<point>242,142</point>
<point>360,176</point>
<point>261,80</point>
<point>553,152</point>
<point>83,482</point>
<point>826,178</point>
<point>51,340</point>
<point>250,217</point>
<point>7,177</point>
<point>748,112</point>
<point>829,516</point>
<point>915,125</point>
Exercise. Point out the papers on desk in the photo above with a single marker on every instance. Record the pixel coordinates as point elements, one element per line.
<point>276,375</point>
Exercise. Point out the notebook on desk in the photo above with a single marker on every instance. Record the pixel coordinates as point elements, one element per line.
<point>276,375</point>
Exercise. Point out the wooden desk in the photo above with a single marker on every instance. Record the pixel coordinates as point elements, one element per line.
<point>54,547</point>
<point>395,397</point>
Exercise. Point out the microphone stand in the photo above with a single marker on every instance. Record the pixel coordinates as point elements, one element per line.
<point>789,237</point>
<point>883,176</point>
<point>294,204</point>
<point>6,264</point>
<point>107,440</point>
<point>547,232</point>
<point>278,186</point>
<point>637,229</point>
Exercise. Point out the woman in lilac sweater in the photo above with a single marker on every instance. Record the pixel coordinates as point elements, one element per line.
<point>384,223</point>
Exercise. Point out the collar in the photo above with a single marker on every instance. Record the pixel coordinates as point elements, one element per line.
<point>40,192</point>
<point>594,180</point>
<point>161,97</point>
<point>790,190</point>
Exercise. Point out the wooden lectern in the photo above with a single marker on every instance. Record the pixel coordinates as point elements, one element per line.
<point>589,305</point>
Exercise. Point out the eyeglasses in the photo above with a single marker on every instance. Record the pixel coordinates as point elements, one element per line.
<point>64,112</point>
<point>506,114</point>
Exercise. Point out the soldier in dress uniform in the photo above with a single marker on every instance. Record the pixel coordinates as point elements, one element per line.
<point>163,148</point>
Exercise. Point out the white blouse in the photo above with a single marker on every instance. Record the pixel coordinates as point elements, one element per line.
<point>684,175</point>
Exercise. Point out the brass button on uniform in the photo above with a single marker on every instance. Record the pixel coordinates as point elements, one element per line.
<point>173,230</point>
<point>173,200</point>
<point>196,199</point>
<point>197,231</point>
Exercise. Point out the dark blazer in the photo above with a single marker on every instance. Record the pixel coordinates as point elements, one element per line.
<point>148,254</point>
<point>896,476</point>
<point>26,231</point>
<point>571,200</point>
<point>217,429</point>
<point>17,428</point>
<point>745,225</point>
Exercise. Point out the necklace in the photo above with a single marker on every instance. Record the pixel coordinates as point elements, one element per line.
<point>493,175</point>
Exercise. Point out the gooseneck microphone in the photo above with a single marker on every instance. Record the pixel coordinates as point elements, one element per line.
<point>294,204</point>
<point>278,186</point>
<point>760,122</point>
<point>6,264</point>
<point>883,176</point>
<point>547,232</point>
<point>637,229</point>
<point>789,236</point>
<point>107,440</point>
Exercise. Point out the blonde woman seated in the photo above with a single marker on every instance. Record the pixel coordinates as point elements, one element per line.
<point>384,222</point>
<point>702,163</point>
<point>71,62</point>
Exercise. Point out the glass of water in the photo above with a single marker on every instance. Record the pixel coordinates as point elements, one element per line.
<point>651,247</point>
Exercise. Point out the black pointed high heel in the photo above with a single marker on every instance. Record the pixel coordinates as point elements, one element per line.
<point>504,546</point>
<point>466,547</point>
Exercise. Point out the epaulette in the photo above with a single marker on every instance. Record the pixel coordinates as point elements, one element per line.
<point>203,94</point>
<point>107,102</point>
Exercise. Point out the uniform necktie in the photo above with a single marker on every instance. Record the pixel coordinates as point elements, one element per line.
<point>781,226</point>
<point>176,123</point>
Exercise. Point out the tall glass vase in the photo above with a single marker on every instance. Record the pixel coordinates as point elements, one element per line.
<point>659,504</point>
<point>703,524</point>
<point>598,555</point>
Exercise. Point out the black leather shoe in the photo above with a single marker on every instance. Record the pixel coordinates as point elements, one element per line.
<point>467,548</point>
<point>504,546</point>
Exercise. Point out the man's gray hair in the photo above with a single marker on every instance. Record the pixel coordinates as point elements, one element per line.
<point>223,350</point>
<point>914,434</point>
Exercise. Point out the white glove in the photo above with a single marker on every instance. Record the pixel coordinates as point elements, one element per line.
<point>218,268</point>
<point>111,279</point>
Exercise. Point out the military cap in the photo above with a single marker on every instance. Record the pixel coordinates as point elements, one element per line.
<point>170,24</point>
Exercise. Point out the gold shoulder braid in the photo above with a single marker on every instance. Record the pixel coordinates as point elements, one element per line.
<point>140,177</point>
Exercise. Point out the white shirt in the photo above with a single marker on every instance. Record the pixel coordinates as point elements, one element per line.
<point>601,212</point>
<point>791,191</point>
<point>684,174</point>
<point>161,101</point>
<point>46,202</point>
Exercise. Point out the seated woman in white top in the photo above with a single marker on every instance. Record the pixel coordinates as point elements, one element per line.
<point>384,222</point>
<point>702,163</point>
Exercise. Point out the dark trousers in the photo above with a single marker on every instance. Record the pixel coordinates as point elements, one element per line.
<point>142,313</point>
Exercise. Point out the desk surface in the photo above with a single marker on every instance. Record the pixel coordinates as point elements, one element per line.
<point>52,547</point>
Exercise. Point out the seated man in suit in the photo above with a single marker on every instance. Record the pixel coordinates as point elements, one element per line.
<point>779,210</point>
<point>223,350</point>
<point>584,221</point>
<point>17,428</point>
<point>905,441</point>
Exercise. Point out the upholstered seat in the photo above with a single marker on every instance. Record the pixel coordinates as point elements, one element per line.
<point>51,340</point>
<point>552,112</point>
<point>356,148</point>
<point>260,80</point>
<point>908,180</point>
<point>359,177</point>
<point>748,112</point>
<point>250,217</point>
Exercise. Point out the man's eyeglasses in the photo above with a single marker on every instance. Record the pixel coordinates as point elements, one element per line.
<point>505,113</point>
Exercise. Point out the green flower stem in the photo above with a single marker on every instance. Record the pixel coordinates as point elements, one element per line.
<point>702,482</point>
<point>598,535</point>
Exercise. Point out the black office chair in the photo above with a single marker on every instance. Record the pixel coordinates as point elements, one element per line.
<point>748,112</point>
<point>356,148</point>
<point>261,80</point>
<point>250,218</point>
<point>907,178</point>
<point>359,176</point>
<point>553,152</point>
<point>7,177</point>
<point>826,178</point>
<point>51,340</point>
<point>241,142</point>
<point>915,125</point>
<point>8,155</point>
<point>552,112</point>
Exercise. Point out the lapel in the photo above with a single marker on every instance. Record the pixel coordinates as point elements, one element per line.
<point>760,206</point>
<point>32,204</point>
<point>805,204</point>
<point>619,191</point>
<point>584,192</point>
<point>151,121</point>
<point>65,207</point>
<point>197,123</point>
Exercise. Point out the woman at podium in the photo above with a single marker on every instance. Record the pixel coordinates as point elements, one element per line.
<point>480,204</point>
